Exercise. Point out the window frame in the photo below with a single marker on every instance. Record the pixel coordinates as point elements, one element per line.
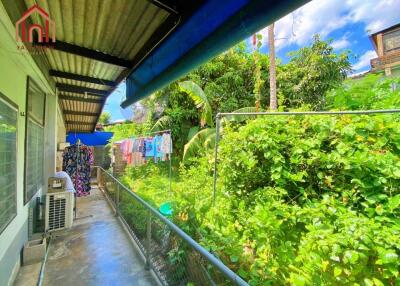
<point>13,105</point>
<point>383,41</point>
<point>29,80</point>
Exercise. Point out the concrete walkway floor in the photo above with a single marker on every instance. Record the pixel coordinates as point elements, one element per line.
<point>95,251</point>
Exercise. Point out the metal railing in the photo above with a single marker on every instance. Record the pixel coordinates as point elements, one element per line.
<point>174,256</point>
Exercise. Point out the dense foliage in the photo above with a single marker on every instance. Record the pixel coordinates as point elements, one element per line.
<point>305,200</point>
<point>315,200</point>
<point>126,130</point>
<point>237,79</point>
<point>310,73</point>
<point>369,92</point>
<point>105,117</point>
<point>311,200</point>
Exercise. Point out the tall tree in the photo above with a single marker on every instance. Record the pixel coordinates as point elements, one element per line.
<point>258,82</point>
<point>105,117</point>
<point>310,73</point>
<point>273,102</point>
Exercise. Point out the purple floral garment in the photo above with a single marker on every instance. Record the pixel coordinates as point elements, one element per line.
<point>77,163</point>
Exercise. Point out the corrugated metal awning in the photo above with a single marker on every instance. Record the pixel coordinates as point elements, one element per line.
<point>98,42</point>
<point>101,42</point>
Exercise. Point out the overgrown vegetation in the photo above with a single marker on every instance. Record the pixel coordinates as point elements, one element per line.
<point>105,117</point>
<point>307,200</point>
<point>230,81</point>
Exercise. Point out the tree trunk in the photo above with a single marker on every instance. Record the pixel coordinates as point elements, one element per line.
<point>257,82</point>
<point>273,103</point>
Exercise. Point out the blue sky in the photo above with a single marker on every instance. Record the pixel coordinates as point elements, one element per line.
<point>347,22</point>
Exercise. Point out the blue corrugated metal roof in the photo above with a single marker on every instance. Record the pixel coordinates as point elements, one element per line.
<point>213,28</point>
<point>90,139</point>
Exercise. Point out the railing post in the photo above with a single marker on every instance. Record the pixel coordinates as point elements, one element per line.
<point>99,177</point>
<point>117,200</point>
<point>148,240</point>
<point>217,130</point>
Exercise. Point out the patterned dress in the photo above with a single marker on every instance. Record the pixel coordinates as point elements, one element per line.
<point>77,160</point>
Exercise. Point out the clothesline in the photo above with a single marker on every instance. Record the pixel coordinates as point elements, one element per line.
<point>147,135</point>
<point>135,151</point>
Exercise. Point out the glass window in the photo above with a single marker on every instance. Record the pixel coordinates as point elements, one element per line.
<point>36,100</point>
<point>391,40</point>
<point>8,162</point>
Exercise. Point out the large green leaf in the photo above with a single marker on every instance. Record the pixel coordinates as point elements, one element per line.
<point>204,139</point>
<point>200,99</point>
<point>162,123</point>
<point>192,131</point>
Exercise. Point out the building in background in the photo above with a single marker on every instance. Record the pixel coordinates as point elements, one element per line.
<point>387,47</point>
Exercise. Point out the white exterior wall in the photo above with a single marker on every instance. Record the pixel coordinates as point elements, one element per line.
<point>61,135</point>
<point>15,66</point>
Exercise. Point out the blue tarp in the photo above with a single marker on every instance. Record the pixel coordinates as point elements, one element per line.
<point>90,139</point>
<point>216,26</point>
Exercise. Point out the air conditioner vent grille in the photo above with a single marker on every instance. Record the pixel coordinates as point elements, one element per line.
<point>57,212</point>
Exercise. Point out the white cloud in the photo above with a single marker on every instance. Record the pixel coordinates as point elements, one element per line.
<point>377,15</point>
<point>326,16</point>
<point>341,43</point>
<point>364,60</point>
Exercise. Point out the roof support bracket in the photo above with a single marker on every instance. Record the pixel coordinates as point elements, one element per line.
<point>70,112</point>
<point>81,89</point>
<point>166,5</point>
<point>79,122</point>
<point>67,75</point>
<point>80,99</point>
<point>87,53</point>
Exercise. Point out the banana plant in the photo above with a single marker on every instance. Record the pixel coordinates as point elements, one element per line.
<point>164,122</point>
<point>205,138</point>
<point>200,99</point>
<point>200,138</point>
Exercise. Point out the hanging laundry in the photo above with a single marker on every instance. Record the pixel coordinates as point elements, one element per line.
<point>149,147</point>
<point>142,147</point>
<point>166,143</point>
<point>135,151</point>
<point>129,157</point>
<point>126,148</point>
<point>137,158</point>
<point>157,141</point>
<point>77,161</point>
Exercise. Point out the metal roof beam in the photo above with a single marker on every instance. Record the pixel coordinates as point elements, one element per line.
<point>165,5</point>
<point>79,122</point>
<point>84,78</point>
<point>80,99</point>
<point>70,112</point>
<point>81,89</point>
<point>87,53</point>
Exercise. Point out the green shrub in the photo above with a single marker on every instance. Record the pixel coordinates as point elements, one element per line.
<point>370,92</point>
<point>310,201</point>
<point>355,158</point>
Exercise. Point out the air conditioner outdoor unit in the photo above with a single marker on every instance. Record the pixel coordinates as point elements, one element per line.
<point>59,210</point>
